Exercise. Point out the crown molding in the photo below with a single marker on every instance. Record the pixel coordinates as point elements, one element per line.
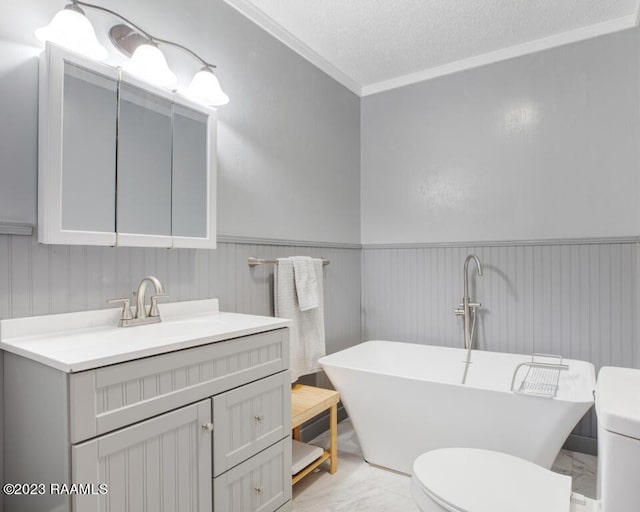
<point>562,39</point>
<point>250,11</point>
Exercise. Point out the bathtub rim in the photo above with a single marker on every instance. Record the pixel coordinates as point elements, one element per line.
<point>590,388</point>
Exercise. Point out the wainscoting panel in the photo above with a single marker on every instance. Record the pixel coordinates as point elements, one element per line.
<point>576,300</point>
<point>40,279</point>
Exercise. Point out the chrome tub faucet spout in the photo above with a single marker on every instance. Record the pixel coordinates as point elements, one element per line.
<point>467,308</point>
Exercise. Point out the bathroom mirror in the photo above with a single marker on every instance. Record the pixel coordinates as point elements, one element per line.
<point>89,113</point>
<point>144,163</point>
<point>121,162</point>
<point>190,173</point>
<point>77,119</point>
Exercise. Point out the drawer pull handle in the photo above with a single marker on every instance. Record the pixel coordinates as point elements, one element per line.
<point>259,417</point>
<point>259,489</point>
<point>207,427</point>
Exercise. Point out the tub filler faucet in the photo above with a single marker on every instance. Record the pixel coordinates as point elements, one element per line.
<point>467,308</point>
<point>142,316</point>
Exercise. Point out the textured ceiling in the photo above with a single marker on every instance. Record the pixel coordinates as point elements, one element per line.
<point>375,41</point>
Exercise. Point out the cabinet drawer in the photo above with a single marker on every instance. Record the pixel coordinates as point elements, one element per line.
<point>260,484</point>
<point>249,419</point>
<point>111,397</point>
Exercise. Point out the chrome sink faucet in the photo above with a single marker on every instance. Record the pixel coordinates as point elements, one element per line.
<point>468,309</point>
<point>142,316</point>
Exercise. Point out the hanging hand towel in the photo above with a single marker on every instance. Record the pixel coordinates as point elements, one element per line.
<point>304,275</point>
<point>306,342</point>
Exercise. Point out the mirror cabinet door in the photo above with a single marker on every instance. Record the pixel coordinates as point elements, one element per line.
<point>190,177</point>
<point>88,151</point>
<point>144,168</point>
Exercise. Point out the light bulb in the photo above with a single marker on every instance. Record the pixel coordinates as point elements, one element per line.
<point>205,88</point>
<point>71,29</point>
<point>149,64</point>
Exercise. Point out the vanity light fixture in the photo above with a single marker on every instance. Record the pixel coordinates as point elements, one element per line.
<point>205,88</point>
<point>72,29</point>
<point>148,63</point>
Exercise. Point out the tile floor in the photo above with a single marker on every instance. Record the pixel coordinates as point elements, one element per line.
<point>357,486</point>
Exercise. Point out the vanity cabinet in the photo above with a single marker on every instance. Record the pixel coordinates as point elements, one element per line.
<point>121,162</point>
<point>195,430</point>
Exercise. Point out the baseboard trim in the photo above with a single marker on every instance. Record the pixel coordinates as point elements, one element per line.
<point>230,239</point>
<point>582,444</point>
<point>509,243</point>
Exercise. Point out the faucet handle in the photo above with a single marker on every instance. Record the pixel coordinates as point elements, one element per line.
<point>153,310</point>
<point>126,307</point>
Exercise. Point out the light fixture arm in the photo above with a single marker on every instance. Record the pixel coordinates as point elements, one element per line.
<point>185,49</point>
<point>149,36</point>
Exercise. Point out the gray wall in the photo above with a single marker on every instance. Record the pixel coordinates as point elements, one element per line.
<point>289,140</point>
<point>538,147</point>
<point>289,168</point>
<point>39,279</point>
<point>576,300</point>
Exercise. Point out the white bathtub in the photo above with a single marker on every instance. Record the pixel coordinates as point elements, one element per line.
<point>405,399</point>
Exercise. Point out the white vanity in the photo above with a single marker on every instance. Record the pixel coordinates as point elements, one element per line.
<point>190,414</point>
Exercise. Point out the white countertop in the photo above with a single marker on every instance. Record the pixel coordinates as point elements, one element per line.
<point>74,342</point>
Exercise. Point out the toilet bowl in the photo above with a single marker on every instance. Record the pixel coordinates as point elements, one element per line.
<point>473,480</point>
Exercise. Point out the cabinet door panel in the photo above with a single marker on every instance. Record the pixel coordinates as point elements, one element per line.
<point>88,151</point>
<point>161,464</point>
<point>144,167</point>
<point>249,419</point>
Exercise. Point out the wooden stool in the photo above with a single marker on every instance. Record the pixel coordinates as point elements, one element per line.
<point>306,403</point>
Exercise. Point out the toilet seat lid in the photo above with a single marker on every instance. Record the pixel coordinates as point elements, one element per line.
<point>473,480</point>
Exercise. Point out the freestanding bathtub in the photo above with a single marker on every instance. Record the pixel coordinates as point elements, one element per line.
<point>405,399</point>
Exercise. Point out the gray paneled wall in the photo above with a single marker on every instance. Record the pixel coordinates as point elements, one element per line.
<point>577,300</point>
<point>41,279</point>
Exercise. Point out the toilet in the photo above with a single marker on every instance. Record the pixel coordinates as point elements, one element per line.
<point>473,480</point>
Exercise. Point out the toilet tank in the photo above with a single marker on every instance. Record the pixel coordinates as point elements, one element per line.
<point>618,409</point>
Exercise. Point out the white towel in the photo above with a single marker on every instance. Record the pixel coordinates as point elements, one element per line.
<point>304,275</point>
<point>306,342</point>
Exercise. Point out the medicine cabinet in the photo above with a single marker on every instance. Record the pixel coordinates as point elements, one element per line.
<point>121,162</point>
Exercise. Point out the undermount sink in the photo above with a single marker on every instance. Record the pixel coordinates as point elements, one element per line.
<point>74,342</point>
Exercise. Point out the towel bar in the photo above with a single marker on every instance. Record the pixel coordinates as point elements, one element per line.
<point>259,261</point>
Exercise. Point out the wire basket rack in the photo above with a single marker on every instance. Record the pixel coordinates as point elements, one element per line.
<point>542,377</point>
